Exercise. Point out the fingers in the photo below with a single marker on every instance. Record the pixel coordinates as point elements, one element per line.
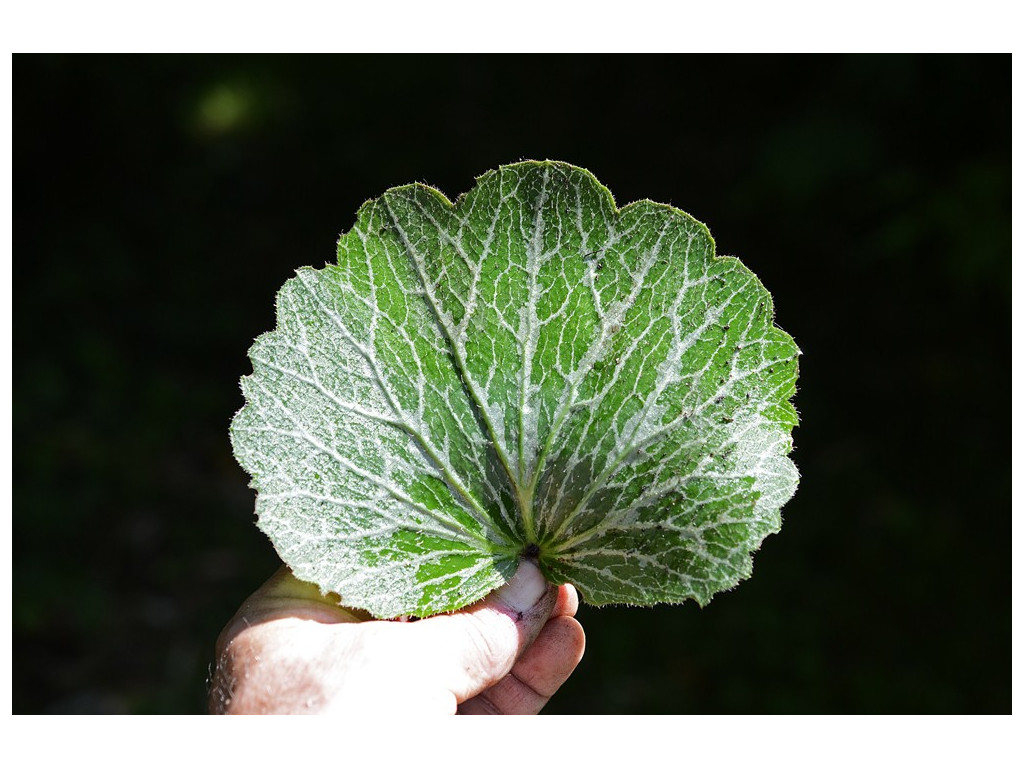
<point>537,675</point>
<point>568,601</point>
<point>474,649</point>
<point>289,648</point>
<point>284,596</point>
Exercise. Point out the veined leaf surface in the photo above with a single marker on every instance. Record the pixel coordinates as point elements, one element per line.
<point>529,371</point>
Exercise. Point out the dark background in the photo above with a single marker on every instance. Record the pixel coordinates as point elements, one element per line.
<point>161,201</point>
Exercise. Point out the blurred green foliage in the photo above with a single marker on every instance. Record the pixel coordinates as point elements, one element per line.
<point>160,201</point>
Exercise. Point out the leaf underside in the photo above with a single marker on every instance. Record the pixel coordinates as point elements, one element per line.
<point>526,366</point>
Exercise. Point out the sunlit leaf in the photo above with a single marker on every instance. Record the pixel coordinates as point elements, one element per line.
<point>529,371</point>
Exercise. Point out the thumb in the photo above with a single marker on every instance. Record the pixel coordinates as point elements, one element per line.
<point>476,647</point>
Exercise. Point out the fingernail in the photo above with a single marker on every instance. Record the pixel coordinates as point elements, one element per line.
<point>525,590</point>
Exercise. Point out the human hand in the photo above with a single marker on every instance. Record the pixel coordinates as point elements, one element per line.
<point>290,650</point>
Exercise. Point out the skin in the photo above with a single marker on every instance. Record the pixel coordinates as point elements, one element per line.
<point>291,650</point>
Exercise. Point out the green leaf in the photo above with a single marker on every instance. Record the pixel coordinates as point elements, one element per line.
<point>528,366</point>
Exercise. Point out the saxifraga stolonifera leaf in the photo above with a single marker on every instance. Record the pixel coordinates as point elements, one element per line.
<point>529,371</point>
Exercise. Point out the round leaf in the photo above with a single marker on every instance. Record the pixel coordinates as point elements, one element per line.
<point>529,371</point>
